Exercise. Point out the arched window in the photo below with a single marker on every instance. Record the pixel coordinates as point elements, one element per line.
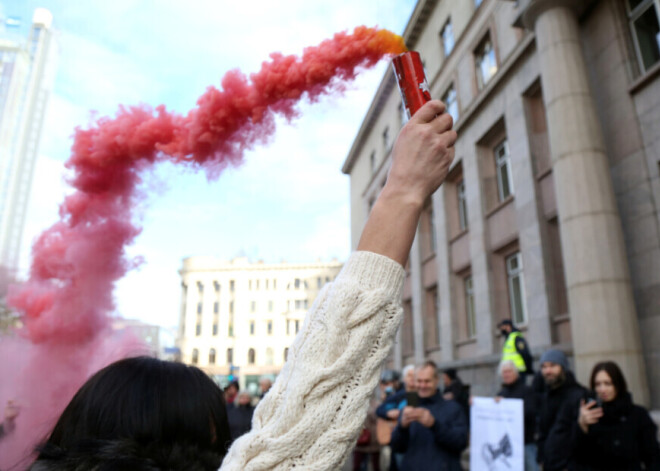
<point>286,353</point>
<point>195,356</point>
<point>269,356</point>
<point>212,356</point>
<point>251,356</point>
<point>230,356</point>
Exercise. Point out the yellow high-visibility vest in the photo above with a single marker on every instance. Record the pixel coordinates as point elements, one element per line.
<point>509,352</point>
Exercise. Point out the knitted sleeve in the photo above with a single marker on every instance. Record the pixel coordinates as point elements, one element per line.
<point>311,417</point>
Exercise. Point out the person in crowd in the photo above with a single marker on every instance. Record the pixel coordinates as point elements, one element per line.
<point>390,383</point>
<point>231,392</point>
<point>367,449</point>
<point>454,390</point>
<point>433,434</point>
<point>148,414</point>
<point>609,431</point>
<point>239,415</point>
<point>8,424</point>
<point>513,387</point>
<point>265,383</point>
<point>515,348</point>
<point>561,390</point>
<point>388,413</point>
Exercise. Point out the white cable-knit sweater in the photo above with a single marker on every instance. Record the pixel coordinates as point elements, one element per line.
<point>314,412</point>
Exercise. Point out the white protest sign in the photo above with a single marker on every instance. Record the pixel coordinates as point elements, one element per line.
<point>497,438</point>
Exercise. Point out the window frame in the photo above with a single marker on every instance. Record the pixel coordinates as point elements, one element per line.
<point>470,310</point>
<point>461,199</point>
<point>634,15</point>
<point>511,275</point>
<point>479,55</point>
<point>502,162</point>
<point>447,27</point>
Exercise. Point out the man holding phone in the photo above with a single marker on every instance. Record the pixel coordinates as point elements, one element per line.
<point>432,432</point>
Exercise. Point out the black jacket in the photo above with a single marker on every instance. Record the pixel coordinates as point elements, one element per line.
<point>623,439</point>
<point>519,390</point>
<point>554,439</point>
<point>240,419</point>
<point>437,448</point>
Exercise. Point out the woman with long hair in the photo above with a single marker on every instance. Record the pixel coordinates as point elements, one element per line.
<point>612,433</point>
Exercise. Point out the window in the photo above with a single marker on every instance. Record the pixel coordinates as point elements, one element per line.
<point>286,353</point>
<point>195,356</point>
<point>215,328</point>
<point>199,307</point>
<point>198,329</point>
<point>251,356</point>
<point>447,35</point>
<point>296,283</point>
<point>299,304</point>
<point>503,169</point>
<point>212,356</point>
<point>274,284</point>
<point>372,161</point>
<point>643,16</point>
<point>319,282</point>
<point>267,280</point>
<point>407,345</point>
<point>230,331</point>
<point>462,205</point>
<point>297,325</point>
<point>249,284</point>
<point>251,327</point>
<point>288,326</point>
<point>270,306</point>
<point>431,330</point>
<point>469,307</point>
<point>269,356</point>
<point>386,139</point>
<point>230,356</point>
<point>231,307</point>
<point>514,271</point>
<point>232,285</point>
<point>216,286</point>
<point>257,284</point>
<point>269,327</point>
<point>451,102</point>
<point>486,64</point>
<point>200,288</point>
<point>216,307</point>
<point>253,306</point>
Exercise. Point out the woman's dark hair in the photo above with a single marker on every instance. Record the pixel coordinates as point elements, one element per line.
<point>615,374</point>
<point>141,414</point>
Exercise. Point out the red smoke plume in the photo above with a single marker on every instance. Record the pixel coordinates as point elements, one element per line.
<point>75,263</point>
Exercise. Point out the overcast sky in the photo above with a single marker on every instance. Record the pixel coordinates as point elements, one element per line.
<point>288,201</point>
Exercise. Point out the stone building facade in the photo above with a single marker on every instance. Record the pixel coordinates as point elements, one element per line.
<point>239,318</point>
<point>551,211</point>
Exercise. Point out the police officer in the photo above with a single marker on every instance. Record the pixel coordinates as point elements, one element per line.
<point>515,348</point>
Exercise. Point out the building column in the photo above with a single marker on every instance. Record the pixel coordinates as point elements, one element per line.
<point>603,317</point>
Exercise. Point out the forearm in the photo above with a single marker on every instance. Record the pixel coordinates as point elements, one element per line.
<point>390,229</point>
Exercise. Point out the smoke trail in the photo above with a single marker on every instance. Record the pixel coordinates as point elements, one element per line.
<point>65,302</point>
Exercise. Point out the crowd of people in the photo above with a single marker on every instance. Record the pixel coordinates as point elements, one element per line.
<point>425,418</point>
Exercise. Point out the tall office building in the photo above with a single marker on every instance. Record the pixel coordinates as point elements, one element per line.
<point>550,213</point>
<point>27,72</point>
<point>239,318</point>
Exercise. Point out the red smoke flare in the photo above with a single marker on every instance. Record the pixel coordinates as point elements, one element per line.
<point>77,260</point>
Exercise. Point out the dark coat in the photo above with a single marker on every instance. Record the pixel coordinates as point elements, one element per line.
<point>240,419</point>
<point>519,390</point>
<point>554,439</point>
<point>623,439</point>
<point>437,448</point>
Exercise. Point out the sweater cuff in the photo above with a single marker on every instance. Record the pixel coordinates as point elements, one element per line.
<point>370,270</point>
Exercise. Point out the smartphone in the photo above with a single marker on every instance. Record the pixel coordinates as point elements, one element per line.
<point>593,397</point>
<point>412,399</point>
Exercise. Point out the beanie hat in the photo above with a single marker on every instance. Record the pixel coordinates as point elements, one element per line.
<point>555,356</point>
